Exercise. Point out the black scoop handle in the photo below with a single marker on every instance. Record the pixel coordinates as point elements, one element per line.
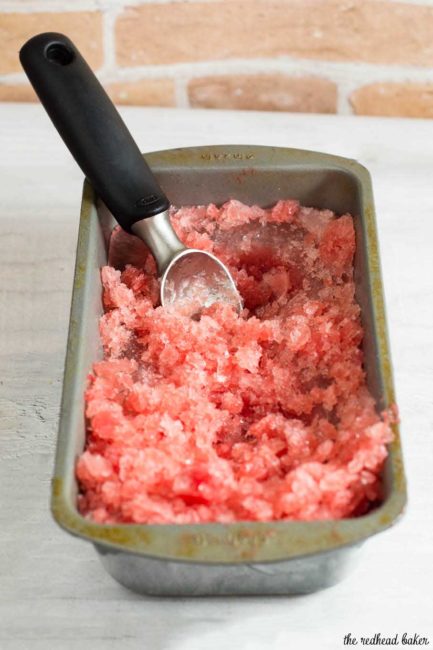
<point>92,129</point>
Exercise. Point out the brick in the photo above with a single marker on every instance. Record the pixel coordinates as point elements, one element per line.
<point>17,93</point>
<point>375,31</point>
<point>394,99</point>
<point>264,92</point>
<point>83,27</point>
<point>145,92</point>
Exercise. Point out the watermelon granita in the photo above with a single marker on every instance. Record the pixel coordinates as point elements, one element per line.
<point>259,416</point>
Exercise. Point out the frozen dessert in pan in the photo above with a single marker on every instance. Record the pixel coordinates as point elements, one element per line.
<point>263,415</point>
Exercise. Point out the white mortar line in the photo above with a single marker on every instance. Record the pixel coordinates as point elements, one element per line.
<point>181,91</point>
<point>350,73</point>
<point>338,72</point>
<point>108,43</point>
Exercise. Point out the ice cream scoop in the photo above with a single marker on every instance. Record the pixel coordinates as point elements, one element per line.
<point>97,137</point>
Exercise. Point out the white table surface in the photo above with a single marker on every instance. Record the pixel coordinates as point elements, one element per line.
<point>53,591</point>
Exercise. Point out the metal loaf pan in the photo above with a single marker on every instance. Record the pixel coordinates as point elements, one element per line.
<point>247,557</point>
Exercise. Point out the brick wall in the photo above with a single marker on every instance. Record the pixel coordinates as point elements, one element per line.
<point>369,57</point>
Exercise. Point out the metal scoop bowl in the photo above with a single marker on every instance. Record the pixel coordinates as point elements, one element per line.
<point>98,139</point>
<point>191,279</point>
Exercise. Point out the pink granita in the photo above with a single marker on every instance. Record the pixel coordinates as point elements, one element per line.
<point>259,416</point>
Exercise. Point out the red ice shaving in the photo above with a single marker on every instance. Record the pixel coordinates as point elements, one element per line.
<point>262,416</point>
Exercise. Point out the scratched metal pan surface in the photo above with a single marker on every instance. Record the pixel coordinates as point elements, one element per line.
<point>246,557</point>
